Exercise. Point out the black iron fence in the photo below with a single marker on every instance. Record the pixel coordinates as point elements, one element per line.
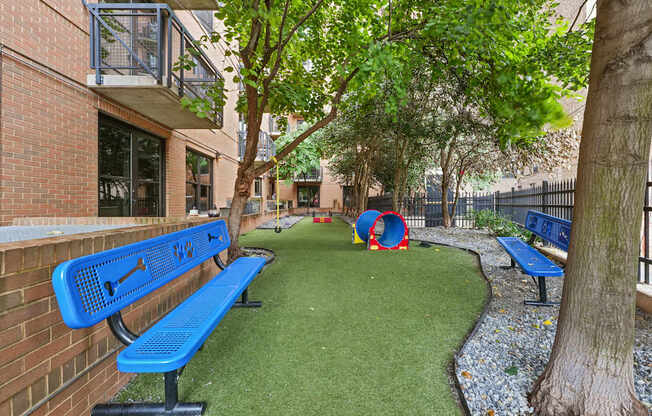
<point>554,198</point>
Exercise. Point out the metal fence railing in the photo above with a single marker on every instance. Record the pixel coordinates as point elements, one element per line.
<point>266,146</point>
<point>148,39</point>
<point>313,175</point>
<point>554,198</point>
<point>253,206</point>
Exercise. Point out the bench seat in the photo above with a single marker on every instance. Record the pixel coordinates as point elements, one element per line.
<point>172,342</point>
<point>530,259</point>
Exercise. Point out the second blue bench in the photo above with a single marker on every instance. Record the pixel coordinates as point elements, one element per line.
<point>550,229</point>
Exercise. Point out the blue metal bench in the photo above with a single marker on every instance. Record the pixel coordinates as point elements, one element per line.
<point>96,287</point>
<point>552,230</point>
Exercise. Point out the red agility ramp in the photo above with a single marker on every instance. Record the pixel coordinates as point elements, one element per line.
<point>322,220</point>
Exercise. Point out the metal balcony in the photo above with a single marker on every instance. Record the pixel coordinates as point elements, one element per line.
<point>274,128</point>
<point>314,175</point>
<point>192,4</point>
<point>266,146</point>
<point>133,51</point>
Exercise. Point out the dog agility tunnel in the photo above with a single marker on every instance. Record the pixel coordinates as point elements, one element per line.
<point>394,235</point>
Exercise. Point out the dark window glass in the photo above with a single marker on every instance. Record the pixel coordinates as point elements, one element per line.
<point>308,196</point>
<point>258,187</point>
<point>130,171</point>
<point>199,181</point>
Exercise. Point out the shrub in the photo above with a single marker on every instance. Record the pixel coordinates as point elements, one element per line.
<point>498,225</point>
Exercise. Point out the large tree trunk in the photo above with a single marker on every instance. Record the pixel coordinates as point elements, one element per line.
<point>590,371</point>
<point>241,191</point>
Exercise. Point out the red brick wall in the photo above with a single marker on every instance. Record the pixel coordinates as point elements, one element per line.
<point>48,143</point>
<point>44,365</point>
<point>48,134</point>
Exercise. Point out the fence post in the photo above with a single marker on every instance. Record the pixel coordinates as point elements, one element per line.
<point>511,205</point>
<point>544,197</point>
<point>497,202</point>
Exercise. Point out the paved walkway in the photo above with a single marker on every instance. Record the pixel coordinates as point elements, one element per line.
<point>15,233</point>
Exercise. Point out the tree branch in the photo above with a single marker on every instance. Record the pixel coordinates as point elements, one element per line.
<point>318,125</point>
<point>253,38</point>
<point>577,16</point>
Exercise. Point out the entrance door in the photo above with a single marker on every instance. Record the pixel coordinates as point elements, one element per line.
<point>308,196</point>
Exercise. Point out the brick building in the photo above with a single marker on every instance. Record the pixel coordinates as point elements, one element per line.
<point>91,128</point>
<point>114,141</point>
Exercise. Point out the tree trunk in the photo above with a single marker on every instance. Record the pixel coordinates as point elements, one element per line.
<point>590,371</point>
<point>445,214</point>
<point>241,192</point>
<point>457,194</point>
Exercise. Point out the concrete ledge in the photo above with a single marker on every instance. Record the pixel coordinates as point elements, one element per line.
<point>644,297</point>
<point>643,291</point>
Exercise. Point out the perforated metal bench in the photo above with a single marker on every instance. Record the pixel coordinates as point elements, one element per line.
<point>550,229</point>
<point>96,287</point>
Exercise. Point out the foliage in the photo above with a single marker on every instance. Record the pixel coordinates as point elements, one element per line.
<point>498,225</point>
<point>483,181</point>
<point>303,159</point>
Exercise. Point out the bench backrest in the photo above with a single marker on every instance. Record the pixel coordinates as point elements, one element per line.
<point>551,229</point>
<point>92,288</point>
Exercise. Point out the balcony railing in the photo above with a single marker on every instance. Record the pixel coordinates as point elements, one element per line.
<point>313,175</point>
<point>274,128</point>
<point>266,146</point>
<point>146,40</point>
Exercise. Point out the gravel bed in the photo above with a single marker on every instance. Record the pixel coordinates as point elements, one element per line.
<point>510,347</point>
<point>286,222</point>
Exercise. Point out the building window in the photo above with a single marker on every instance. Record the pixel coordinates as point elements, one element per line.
<point>308,196</point>
<point>199,181</point>
<point>205,17</point>
<point>131,171</point>
<point>258,187</point>
<point>300,124</point>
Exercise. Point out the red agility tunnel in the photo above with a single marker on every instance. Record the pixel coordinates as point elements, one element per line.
<point>394,235</point>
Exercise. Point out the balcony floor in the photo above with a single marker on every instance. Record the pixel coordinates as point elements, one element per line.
<point>191,4</point>
<point>141,93</point>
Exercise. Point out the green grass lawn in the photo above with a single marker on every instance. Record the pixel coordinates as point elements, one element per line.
<point>342,331</point>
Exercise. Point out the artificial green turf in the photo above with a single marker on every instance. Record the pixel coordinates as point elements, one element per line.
<point>342,331</point>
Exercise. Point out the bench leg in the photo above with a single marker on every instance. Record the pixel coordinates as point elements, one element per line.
<point>246,303</point>
<point>171,407</point>
<point>543,295</point>
<point>512,264</point>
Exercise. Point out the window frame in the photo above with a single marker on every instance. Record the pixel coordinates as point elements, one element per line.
<point>198,185</point>
<point>132,179</point>
<point>258,187</point>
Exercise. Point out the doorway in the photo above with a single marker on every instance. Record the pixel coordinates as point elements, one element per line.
<point>308,196</point>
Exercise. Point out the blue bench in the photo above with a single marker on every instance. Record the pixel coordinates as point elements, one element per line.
<point>550,229</point>
<point>92,288</point>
